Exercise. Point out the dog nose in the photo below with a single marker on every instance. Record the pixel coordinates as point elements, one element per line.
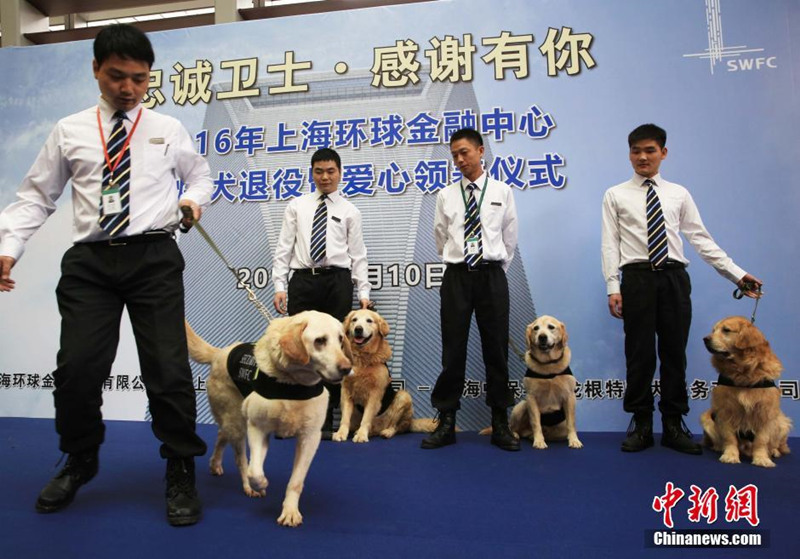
<point>542,338</point>
<point>707,339</point>
<point>344,371</point>
<point>359,330</point>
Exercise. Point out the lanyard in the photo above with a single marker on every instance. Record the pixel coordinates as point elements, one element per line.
<point>483,193</point>
<point>112,166</point>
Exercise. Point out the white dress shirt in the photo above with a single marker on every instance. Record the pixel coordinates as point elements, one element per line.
<point>161,152</point>
<point>344,243</point>
<point>498,214</point>
<point>624,238</point>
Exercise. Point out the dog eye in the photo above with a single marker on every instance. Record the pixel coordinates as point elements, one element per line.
<point>551,327</point>
<point>726,329</point>
<point>369,321</point>
<point>321,341</point>
<point>535,328</point>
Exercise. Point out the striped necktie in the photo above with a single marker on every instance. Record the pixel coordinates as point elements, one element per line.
<point>656,231</point>
<point>472,229</point>
<point>120,178</point>
<point>318,230</point>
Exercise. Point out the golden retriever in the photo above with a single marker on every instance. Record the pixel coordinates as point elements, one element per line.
<point>548,411</point>
<point>745,415</point>
<point>294,354</point>
<point>369,403</point>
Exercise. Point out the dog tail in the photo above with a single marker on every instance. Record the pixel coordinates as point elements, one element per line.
<point>485,431</point>
<point>199,350</point>
<point>423,425</point>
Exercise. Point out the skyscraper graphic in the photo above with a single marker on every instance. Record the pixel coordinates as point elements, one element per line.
<point>398,231</point>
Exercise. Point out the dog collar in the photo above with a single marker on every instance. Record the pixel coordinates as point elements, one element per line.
<point>726,381</point>
<point>545,362</point>
<point>533,374</point>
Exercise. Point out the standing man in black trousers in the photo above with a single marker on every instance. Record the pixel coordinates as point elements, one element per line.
<point>322,245</point>
<point>475,228</point>
<point>642,221</point>
<point>122,160</point>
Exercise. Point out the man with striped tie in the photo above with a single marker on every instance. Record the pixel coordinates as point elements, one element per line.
<point>642,222</point>
<point>122,161</point>
<point>475,228</point>
<point>321,243</point>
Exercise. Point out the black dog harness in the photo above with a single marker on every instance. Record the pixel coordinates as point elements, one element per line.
<point>388,398</point>
<point>246,376</point>
<point>551,418</point>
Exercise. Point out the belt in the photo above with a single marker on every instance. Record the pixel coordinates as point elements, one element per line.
<point>320,270</point>
<point>484,265</point>
<point>146,237</point>
<point>668,265</point>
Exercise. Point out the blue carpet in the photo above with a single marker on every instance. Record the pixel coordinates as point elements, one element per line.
<point>384,499</point>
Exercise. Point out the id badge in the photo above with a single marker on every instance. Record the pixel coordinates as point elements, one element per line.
<point>473,245</point>
<point>111,202</point>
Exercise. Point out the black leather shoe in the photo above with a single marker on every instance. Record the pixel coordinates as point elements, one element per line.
<point>640,433</point>
<point>183,505</point>
<point>502,437</point>
<point>677,436</point>
<point>79,469</point>
<point>445,432</point>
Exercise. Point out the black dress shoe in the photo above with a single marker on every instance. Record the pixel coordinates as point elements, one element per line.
<point>183,505</point>
<point>640,433</point>
<point>502,437</point>
<point>445,432</point>
<point>79,469</point>
<point>677,436</point>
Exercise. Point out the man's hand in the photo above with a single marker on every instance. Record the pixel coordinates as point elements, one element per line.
<point>367,304</point>
<point>279,302</point>
<point>6,283</point>
<point>750,286</point>
<point>615,305</point>
<point>186,222</point>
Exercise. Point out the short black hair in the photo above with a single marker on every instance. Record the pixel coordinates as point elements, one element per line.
<point>467,134</point>
<point>126,41</point>
<point>326,154</point>
<point>648,132</point>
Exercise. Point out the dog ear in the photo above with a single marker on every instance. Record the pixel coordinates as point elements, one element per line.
<point>347,320</point>
<point>292,345</point>
<point>564,336</point>
<point>749,337</point>
<point>383,326</point>
<point>528,333</point>
<point>347,348</point>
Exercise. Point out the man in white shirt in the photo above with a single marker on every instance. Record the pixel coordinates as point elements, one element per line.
<point>475,228</point>
<point>321,243</point>
<point>642,222</point>
<point>122,160</point>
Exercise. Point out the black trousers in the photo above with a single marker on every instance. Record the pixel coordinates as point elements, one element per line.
<point>484,292</point>
<point>657,314</point>
<point>330,292</point>
<point>97,281</point>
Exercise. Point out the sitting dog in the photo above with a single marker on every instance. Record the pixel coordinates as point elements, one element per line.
<point>284,396</point>
<point>369,403</point>
<point>548,411</point>
<point>745,415</point>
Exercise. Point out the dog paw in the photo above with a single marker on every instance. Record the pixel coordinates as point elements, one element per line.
<point>340,436</point>
<point>216,469</point>
<point>258,483</point>
<point>541,445</point>
<point>575,443</point>
<point>763,461</point>
<point>254,494</point>
<point>729,458</point>
<point>290,517</point>
<point>388,433</point>
<point>361,436</point>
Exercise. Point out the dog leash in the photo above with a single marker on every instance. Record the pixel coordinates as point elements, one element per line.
<point>251,296</point>
<point>739,292</point>
<point>516,350</point>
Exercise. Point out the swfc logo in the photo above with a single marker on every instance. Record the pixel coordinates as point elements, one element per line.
<point>742,58</point>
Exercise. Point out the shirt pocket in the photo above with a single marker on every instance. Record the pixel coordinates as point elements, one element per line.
<point>671,208</point>
<point>157,161</point>
<point>492,214</point>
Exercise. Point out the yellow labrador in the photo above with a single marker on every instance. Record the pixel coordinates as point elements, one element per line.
<point>548,411</point>
<point>369,402</point>
<point>292,357</point>
<point>745,415</point>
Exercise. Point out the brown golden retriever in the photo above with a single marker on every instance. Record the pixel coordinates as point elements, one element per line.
<point>745,415</point>
<point>294,355</point>
<point>369,403</point>
<point>548,411</point>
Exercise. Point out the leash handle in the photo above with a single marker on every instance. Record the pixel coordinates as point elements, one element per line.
<point>739,292</point>
<point>188,215</point>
